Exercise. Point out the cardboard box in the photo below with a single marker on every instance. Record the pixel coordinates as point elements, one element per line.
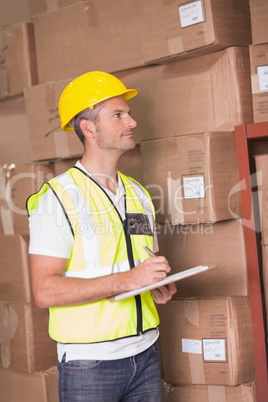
<point>221,244</point>
<point>208,93</point>
<point>18,60</point>
<point>14,11</point>
<point>259,26</point>
<point>207,341</point>
<point>15,283</point>
<point>17,386</point>
<point>91,35</point>
<point>24,339</point>
<point>212,393</point>
<point>14,141</point>
<point>52,378</point>
<point>192,178</point>
<point>264,279</point>
<point>43,6</point>
<point>189,28</point>
<point>17,184</point>
<point>259,81</point>
<point>261,163</point>
<point>47,139</point>
<point>25,343</point>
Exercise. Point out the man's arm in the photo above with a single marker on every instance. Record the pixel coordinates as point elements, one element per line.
<point>51,288</point>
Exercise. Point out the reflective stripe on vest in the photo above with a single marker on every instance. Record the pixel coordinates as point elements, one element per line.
<point>97,225</point>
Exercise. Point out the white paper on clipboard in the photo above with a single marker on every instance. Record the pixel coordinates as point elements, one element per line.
<point>171,278</point>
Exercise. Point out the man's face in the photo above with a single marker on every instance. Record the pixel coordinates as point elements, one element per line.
<point>114,128</point>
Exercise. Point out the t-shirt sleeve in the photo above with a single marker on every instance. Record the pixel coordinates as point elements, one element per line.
<point>50,232</point>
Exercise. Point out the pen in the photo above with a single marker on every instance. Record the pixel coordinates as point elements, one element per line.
<point>149,251</point>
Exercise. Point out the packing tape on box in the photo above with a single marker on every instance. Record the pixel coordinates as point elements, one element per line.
<point>6,215</point>
<point>92,14</point>
<point>191,314</point>
<point>196,368</point>
<point>51,100</point>
<point>175,41</point>
<point>255,84</point>
<point>175,206</point>
<point>52,5</point>
<point>191,311</point>
<point>8,327</point>
<point>216,393</point>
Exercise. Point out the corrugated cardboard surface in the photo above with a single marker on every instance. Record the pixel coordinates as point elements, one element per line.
<point>261,162</point>
<point>188,28</point>
<point>15,271</point>
<point>17,185</point>
<point>192,178</point>
<point>14,11</point>
<point>90,35</point>
<point>207,93</point>
<point>52,377</point>
<point>259,26</point>
<point>220,244</point>
<point>47,139</point>
<point>14,140</point>
<point>265,280</point>
<point>18,386</point>
<point>218,341</point>
<point>212,393</point>
<point>25,343</point>
<point>18,61</point>
<point>259,81</point>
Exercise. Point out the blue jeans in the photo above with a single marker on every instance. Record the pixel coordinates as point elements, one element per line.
<point>133,379</point>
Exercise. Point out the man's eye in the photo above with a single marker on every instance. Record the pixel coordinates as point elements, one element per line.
<point>117,115</point>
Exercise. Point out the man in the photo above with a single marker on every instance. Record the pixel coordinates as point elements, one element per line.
<point>88,229</point>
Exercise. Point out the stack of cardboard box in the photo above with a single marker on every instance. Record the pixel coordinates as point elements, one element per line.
<point>259,59</point>
<point>190,63</point>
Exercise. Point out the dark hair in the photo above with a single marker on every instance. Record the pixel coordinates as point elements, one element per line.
<point>86,114</point>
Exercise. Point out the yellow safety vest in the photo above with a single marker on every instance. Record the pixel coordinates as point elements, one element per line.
<point>96,224</point>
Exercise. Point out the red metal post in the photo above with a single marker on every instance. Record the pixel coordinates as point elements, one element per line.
<point>252,262</point>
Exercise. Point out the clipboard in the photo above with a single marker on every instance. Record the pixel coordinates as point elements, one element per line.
<point>169,279</point>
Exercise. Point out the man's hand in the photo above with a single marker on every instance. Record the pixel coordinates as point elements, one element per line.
<point>164,293</point>
<point>151,270</point>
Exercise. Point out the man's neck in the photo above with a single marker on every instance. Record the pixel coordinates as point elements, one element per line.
<point>104,172</point>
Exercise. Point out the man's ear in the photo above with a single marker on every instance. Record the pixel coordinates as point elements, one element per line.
<point>88,128</point>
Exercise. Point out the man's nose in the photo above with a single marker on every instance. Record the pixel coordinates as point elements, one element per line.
<point>132,123</point>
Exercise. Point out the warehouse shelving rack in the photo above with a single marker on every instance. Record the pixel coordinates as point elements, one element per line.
<point>249,139</point>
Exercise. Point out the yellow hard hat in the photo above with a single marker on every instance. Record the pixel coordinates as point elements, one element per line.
<point>88,90</point>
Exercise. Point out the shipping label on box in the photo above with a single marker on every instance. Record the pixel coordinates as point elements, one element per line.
<point>192,178</point>
<point>259,81</point>
<point>182,29</point>
<point>207,341</point>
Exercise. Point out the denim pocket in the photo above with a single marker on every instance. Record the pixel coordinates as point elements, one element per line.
<point>155,346</point>
<point>81,364</point>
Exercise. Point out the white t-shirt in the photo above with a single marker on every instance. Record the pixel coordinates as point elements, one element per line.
<point>50,235</point>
